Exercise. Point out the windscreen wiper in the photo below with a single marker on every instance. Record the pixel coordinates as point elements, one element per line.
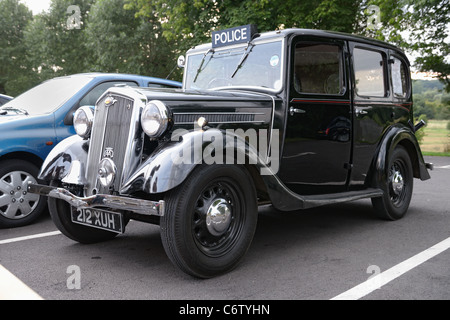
<point>5,110</point>
<point>202,62</point>
<point>247,51</point>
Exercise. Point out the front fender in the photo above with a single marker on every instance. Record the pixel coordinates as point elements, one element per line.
<point>399,135</point>
<point>66,162</point>
<point>171,164</point>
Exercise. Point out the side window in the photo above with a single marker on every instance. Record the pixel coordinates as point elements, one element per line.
<point>92,96</point>
<point>399,79</point>
<point>318,69</point>
<point>369,73</point>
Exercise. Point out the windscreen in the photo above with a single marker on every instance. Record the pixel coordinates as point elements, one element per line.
<point>48,96</point>
<point>257,65</point>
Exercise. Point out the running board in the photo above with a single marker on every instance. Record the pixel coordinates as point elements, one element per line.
<point>290,201</point>
<point>332,198</point>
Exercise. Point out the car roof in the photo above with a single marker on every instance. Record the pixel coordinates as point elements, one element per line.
<point>112,76</point>
<point>311,32</point>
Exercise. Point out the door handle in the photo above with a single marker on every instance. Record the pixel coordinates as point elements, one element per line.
<point>293,110</point>
<point>360,111</point>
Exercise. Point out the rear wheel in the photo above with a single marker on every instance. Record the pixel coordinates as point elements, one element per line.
<point>18,207</point>
<point>210,220</point>
<point>398,188</point>
<point>61,211</point>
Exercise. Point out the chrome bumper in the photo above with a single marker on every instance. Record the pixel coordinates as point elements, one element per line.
<point>145,207</point>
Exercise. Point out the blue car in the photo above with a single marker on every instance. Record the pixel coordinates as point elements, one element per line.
<point>4,99</point>
<point>34,122</point>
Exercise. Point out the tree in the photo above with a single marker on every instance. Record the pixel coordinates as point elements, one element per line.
<point>14,17</point>
<point>190,23</point>
<point>420,27</point>
<point>56,44</point>
<point>121,42</point>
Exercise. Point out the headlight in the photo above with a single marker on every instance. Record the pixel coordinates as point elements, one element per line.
<point>82,121</point>
<point>155,118</point>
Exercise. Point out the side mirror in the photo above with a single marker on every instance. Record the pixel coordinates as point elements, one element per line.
<point>181,61</point>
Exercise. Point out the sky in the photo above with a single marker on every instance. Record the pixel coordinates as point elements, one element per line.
<point>37,6</point>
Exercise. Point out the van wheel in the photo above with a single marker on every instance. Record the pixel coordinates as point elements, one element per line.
<point>18,207</point>
<point>210,220</point>
<point>398,187</point>
<point>61,211</point>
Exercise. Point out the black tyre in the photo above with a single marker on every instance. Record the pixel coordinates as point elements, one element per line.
<point>60,211</point>
<point>17,206</point>
<point>210,220</point>
<point>398,188</point>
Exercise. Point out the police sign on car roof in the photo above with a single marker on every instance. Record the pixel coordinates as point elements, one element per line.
<point>235,35</point>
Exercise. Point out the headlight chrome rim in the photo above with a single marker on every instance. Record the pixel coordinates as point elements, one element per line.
<point>155,118</point>
<point>82,121</point>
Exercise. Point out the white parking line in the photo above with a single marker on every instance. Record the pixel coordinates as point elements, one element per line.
<point>34,236</point>
<point>11,288</point>
<point>387,276</point>
<point>442,167</point>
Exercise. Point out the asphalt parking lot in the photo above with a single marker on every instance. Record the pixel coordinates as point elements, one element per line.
<point>318,254</point>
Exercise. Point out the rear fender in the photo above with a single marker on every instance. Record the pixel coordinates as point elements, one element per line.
<point>398,135</point>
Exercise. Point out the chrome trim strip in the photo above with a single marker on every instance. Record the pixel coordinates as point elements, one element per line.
<point>212,114</point>
<point>145,207</point>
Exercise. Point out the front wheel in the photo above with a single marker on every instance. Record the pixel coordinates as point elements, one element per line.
<point>61,211</point>
<point>210,220</point>
<point>398,187</point>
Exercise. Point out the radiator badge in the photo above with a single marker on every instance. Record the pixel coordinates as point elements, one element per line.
<point>109,101</point>
<point>108,153</point>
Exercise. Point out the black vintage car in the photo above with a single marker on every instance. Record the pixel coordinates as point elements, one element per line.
<point>293,118</point>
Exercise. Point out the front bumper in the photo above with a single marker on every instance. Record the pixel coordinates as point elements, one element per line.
<point>144,207</point>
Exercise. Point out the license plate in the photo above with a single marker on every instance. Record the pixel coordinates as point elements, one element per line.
<point>101,219</point>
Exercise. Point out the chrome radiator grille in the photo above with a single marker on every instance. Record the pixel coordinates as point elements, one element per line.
<point>112,137</point>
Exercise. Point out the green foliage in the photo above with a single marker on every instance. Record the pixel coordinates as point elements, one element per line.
<point>121,42</point>
<point>189,23</point>
<point>420,134</point>
<point>58,48</point>
<point>146,36</point>
<point>14,17</point>
<point>426,23</point>
<point>430,99</point>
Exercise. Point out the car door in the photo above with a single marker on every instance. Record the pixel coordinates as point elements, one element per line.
<point>317,147</point>
<point>372,105</point>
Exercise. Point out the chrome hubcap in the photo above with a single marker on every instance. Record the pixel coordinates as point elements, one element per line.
<point>218,217</point>
<point>397,182</point>
<point>15,201</point>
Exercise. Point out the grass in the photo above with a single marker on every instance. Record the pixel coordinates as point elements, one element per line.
<point>437,139</point>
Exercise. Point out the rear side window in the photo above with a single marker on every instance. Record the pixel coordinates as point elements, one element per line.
<point>318,69</point>
<point>399,79</point>
<point>369,73</point>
